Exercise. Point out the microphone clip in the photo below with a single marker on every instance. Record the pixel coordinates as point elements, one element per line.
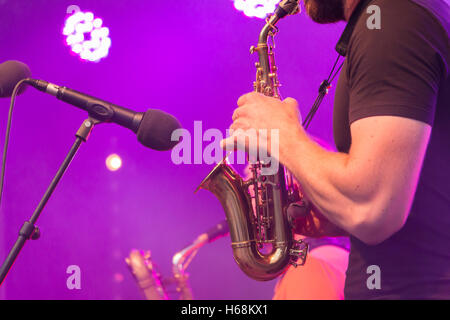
<point>86,128</point>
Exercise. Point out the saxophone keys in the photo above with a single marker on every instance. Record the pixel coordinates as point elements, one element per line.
<point>299,251</point>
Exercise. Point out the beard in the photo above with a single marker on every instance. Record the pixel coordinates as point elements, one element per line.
<point>325,11</point>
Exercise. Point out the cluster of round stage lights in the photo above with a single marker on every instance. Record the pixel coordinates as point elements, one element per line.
<point>256,8</point>
<point>87,36</point>
<point>89,39</point>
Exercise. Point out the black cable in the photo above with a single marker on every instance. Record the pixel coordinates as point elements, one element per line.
<point>313,110</point>
<point>334,66</point>
<point>323,91</point>
<point>7,135</point>
<point>336,73</point>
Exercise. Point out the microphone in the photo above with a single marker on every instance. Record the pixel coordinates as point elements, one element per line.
<point>218,231</point>
<point>154,127</point>
<point>11,72</point>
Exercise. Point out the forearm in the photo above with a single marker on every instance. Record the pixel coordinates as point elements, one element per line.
<point>331,183</point>
<point>367,192</point>
<point>315,225</point>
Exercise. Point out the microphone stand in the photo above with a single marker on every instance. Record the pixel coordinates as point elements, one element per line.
<point>29,230</point>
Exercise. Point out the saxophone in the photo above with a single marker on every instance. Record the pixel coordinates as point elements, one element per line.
<point>261,233</point>
<point>151,283</point>
<point>148,280</point>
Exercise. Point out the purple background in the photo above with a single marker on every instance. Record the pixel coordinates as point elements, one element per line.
<point>189,58</point>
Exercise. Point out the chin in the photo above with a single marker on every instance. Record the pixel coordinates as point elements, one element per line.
<point>325,11</point>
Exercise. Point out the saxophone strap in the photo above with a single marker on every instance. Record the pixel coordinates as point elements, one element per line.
<point>342,50</point>
<point>342,45</point>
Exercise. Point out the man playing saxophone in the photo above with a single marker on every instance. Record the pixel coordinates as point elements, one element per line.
<point>387,186</point>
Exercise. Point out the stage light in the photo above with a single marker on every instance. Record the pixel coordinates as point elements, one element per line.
<point>113,162</point>
<point>86,36</point>
<point>256,8</point>
<point>118,277</point>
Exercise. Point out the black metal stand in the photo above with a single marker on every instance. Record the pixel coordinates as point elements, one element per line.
<point>29,230</point>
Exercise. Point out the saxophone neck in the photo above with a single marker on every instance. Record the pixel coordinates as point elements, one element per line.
<point>266,70</point>
<point>266,77</point>
<point>285,8</point>
<point>268,29</point>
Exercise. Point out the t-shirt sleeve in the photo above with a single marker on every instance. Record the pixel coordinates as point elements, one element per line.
<point>397,70</point>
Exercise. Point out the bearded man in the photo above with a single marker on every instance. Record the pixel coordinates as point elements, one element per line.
<point>388,185</point>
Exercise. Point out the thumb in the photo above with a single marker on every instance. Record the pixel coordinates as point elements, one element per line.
<point>228,143</point>
<point>292,103</point>
<point>235,142</point>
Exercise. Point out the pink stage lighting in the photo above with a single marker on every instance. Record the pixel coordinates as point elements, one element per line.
<point>86,36</point>
<point>256,8</point>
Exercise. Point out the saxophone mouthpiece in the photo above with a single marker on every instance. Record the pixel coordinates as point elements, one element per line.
<point>287,7</point>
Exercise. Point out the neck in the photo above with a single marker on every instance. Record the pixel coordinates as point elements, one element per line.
<point>349,7</point>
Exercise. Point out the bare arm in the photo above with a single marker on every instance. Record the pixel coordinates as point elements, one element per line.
<point>369,191</point>
<point>315,225</point>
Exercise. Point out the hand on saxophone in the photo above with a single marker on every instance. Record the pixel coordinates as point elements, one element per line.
<point>262,122</point>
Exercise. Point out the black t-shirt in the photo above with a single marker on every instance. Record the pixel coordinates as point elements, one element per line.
<point>402,70</point>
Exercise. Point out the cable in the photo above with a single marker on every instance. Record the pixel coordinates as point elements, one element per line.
<point>323,91</point>
<point>7,135</point>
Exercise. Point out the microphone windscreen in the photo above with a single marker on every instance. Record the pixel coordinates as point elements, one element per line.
<point>155,130</point>
<point>11,72</point>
